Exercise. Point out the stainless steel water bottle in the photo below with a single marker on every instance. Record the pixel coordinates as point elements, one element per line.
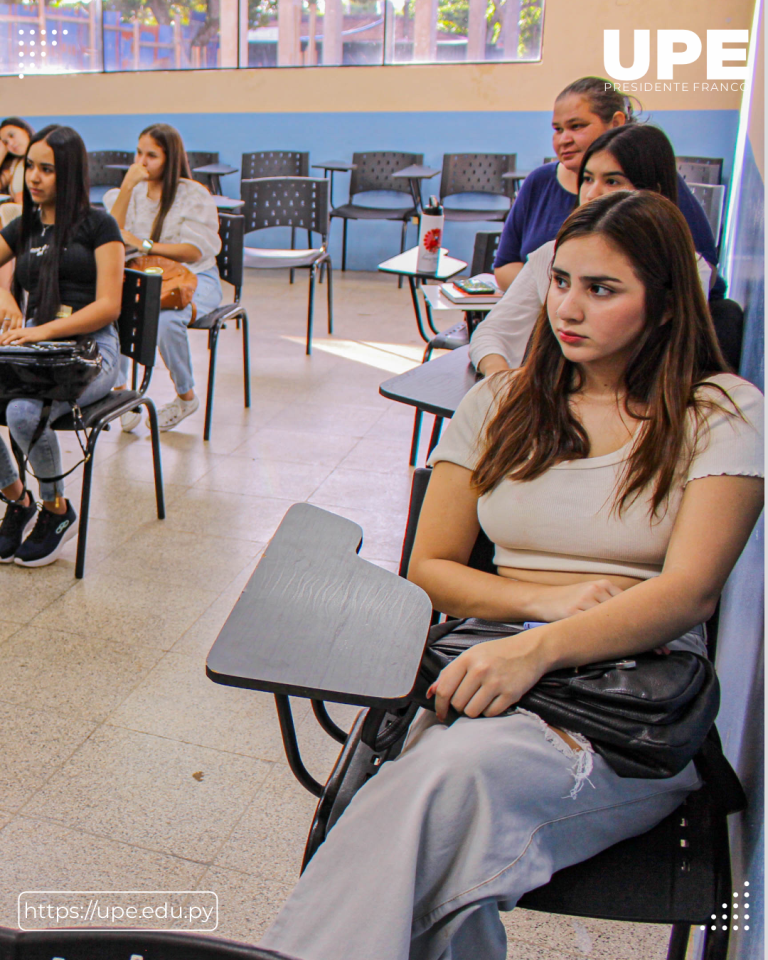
<point>430,236</point>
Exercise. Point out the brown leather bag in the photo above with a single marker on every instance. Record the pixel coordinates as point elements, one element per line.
<point>179,283</point>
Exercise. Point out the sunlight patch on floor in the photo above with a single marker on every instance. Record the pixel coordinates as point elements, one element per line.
<point>392,357</point>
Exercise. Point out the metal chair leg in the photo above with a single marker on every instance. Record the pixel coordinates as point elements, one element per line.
<point>329,267</point>
<point>213,342</point>
<point>293,247</point>
<point>246,361</point>
<point>415,439</point>
<point>85,502</point>
<point>678,941</point>
<point>402,248</point>
<point>157,462</point>
<point>716,945</point>
<point>435,435</point>
<point>311,308</point>
<point>344,246</point>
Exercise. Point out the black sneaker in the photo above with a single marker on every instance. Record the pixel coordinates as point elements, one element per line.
<point>44,544</point>
<point>17,523</point>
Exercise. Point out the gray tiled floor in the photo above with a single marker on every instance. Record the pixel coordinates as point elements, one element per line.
<point>123,766</point>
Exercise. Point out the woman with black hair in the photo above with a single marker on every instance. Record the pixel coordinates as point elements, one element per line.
<point>631,157</point>
<point>15,135</point>
<point>69,267</point>
<point>583,111</point>
<point>163,211</point>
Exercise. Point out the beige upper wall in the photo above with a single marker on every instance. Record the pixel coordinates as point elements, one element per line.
<point>572,47</point>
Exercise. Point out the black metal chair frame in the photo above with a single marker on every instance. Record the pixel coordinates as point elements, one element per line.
<point>201,158</point>
<point>678,873</point>
<point>137,326</point>
<point>307,207</point>
<point>363,179</point>
<point>85,944</point>
<point>465,173</point>
<point>230,264</point>
<point>483,255</point>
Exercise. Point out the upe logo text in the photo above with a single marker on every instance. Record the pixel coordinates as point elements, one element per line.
<point>678,47</point>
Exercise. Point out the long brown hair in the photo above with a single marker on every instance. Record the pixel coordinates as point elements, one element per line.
<point>534,427</point>
<point>169,140</point>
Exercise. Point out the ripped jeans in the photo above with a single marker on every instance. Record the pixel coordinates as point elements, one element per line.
<point>464,822</point>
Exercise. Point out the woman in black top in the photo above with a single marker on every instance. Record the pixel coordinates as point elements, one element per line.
<point>69,263</point>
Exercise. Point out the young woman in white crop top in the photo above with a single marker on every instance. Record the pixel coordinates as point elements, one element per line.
<point>163,211</point>
<point>617,472</point>
<point>632,157</point>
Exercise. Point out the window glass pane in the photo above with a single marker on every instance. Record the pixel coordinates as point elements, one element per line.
<point>50,37</point>
<point>291,33</point>
<point>447,31</point>
<point>161,35</point>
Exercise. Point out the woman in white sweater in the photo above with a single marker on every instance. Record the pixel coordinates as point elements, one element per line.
<point>163,211</point>
<point>631,157</point>
<point>617,474</point>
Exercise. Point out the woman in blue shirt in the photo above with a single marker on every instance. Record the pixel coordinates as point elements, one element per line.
<point>583,111</point>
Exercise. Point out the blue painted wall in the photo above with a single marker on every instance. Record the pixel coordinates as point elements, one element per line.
<point>334,136</point>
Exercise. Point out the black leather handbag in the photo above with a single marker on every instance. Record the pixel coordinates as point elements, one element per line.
<point>647,715</point>
<point>50,370</point>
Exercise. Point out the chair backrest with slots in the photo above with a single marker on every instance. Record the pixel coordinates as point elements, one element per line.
<point>98,161</point>
<point>230,258</point>
<point>486,245</point>
<point>477,173</point>
<point>374,171</point>
<point>201,158</point>
<point>700,169</point>
<point>286,202</point>
<point>274,163</point>
<point>137,323</point>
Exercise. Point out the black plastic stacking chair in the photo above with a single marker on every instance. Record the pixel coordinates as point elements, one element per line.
<point>678,873</point>
<point>486,245</point>
<point>291,202</point>
<point>137,327</point>
<point>373,171</point>
<point>201,158</point>
<point>98,173</point>
<point>276,163</point>
<point>474,173</point>
<point>230,263</point>
<point>700,169</point>
<point>123,945</point>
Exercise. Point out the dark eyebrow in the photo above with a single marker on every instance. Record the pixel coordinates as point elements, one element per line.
<point>603,279</point>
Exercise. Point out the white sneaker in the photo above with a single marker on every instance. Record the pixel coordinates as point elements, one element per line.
<point>129,421</point>
<point>174,412</point>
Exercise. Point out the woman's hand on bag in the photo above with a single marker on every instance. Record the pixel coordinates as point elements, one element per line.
<point>557,603</point>
<point>488,678</point>
<point>136,174</point>
<point>26,335</point>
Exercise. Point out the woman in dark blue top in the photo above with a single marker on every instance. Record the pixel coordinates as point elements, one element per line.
<point>582,113</point>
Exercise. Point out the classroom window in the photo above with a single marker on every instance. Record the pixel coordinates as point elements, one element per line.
<point>75,36</point>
